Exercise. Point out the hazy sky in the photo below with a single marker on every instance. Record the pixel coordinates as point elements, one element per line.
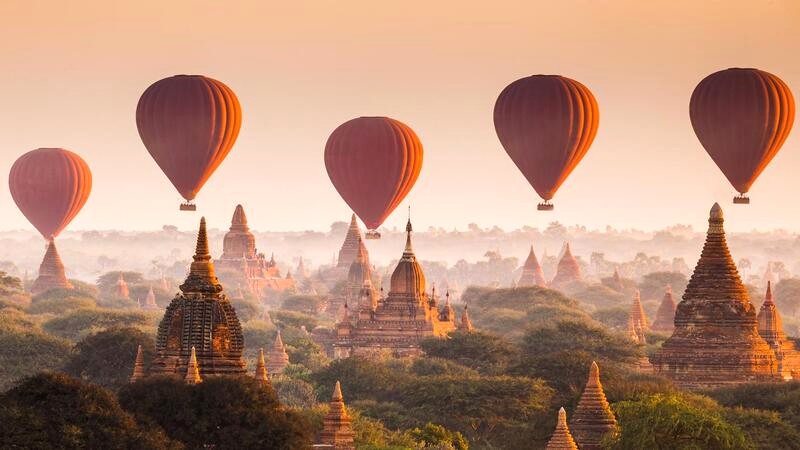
<point>72,73</point>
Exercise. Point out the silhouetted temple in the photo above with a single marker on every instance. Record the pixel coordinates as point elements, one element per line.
<point>121,287</point>
<point>397,322</point>
<point>138,366</point>
<point>593,418</point>
<point>239,254</point>
<point>770,328</point>
<point>466,323</point>
<point>716,340</point>
<point>532,274</point>
<point>561,438</point>
<point>568,271</point>
<point>51,272</point>
<point>358,289</point>
<point>337,432</point>
<point>200,319</point>
<point>665,316</point>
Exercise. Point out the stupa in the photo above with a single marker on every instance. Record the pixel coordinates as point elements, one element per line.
<point>51,272</point>
<point>568,270</point>
<point>192,370</point>
<point>337,432</point>
<point>637,315</point>
<point>121,287</point>
<point>150,300</point>
<point>665,316</point>
<point>561,438</point>
<point>350,246</point>
<point>532,274</point>
<point>138,366</point>
<point>277,358</point>
<point>466,323</point>
<point>593,418</point>
<point>200,318</point>
<point>400,320</point>
<point>716,340</point>
<point>770,328</point>
<point>261,374</point>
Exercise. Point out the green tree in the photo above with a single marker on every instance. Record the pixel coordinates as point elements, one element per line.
<point>82,322</point>
<point>486,353</point>
<point>765,429</point>
<point>25,351</point>
<point>437,435</point>
<point>60,301</point>
<point>220,412</point>
<point>54,411</point>
<point>108,280</point>
<point>654,283</point>
<point>306,304</point>
<point>361,378</point>
<point>787,296</point>
<point>294,393</point>
<point>601,296</point>
<point>783,398</point>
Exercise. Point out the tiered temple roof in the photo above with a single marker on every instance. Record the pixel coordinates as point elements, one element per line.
<point>192,370</point>
<point>201,320</point>
<point>300,273</point>
<point>121,288</point>
<point>352,241</point>
<point>337,431</point>
<point>277,358</point>
<point>51,272</point>
<point>716,340</point>
<point>593,418</point>
<point>150,300</point>
<point>261,373</point>
<point>532,274</point>
<point>770,328</point>
<point>569,270</point>
<point>665,317</point>
<point>636,314</point>
<point>561,438</point>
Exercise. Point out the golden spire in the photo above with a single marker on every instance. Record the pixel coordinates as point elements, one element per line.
<point>192,370</point>
<point>408,250</point>
<point>138,366</point>
<point>261,368</point>
<point>592,419</point>
<point>337,393</point>
<point>561,438</point>
<point>201,277</point>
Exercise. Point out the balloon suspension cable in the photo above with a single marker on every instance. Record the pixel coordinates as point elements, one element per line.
<point>545,206</point>
<point>188,206</point>
<point>741,199</point>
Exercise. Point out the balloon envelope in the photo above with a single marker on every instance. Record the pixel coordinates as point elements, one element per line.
<point>50,186</point>
<point>188,124</point>
<point>742,117</point>
<point>546,124</point>
<point>373,162</point>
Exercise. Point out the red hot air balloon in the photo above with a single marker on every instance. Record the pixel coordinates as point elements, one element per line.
<point>373,162</point>
<point>546,123</point>
<point>50,186</point>
<point>742,117</point>
<point>188,124</point>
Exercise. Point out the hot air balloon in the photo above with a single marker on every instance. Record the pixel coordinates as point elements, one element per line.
<point>742,117</point>
<point>188,124</point>
<point>373,162</point>
<point>50,186</point>
<point>546,124</point>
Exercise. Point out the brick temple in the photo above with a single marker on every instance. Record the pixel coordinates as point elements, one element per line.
<point>51,272</point>
<point>532,274</point>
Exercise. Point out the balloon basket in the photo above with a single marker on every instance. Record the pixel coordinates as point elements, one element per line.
<point>546,206</point>
<point>188,207</point>
<point>741,200</point>
<point>372,234</point>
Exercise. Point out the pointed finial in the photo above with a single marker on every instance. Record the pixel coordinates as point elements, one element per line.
<point>594,375</point>
<point>261,367</point>
<point>337,393</point>
<point>192,370</point>
<point>202,241</point>
<point>716,212</point>
<point>562,417</point>
<point>768,297</point>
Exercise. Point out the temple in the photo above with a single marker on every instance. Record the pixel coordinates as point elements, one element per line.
<point>532,274</point>
<point>51,272</point>
<point>121,288</point>
<point>192,370</point>
<point>770,328</point>
<point>150,300</point>
<point>466,323</point>
<point>350,246</point>
<point>337,432</point>
<point>593,419</point>
<point>637,315</point>
<point>568,271</point>
<point>561,438</point>
<point>665,316</point>
<point>138,366</point>
<point>397,322</point>
<point>262,373</point>
<point>239,254</point>
<point>200,322</point>
<point>716,340</point>
<point>277,358</point>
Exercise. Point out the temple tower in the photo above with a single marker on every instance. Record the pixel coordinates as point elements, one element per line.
<point>770,328</point>
<point>261,373</point>
<point>466,323</point>
<point>200,321</point>
<point>192,371</point>
<point>347,254</point>
<point>568,270</point>
<point>561,438</point>
<point>532,274</point>
<point>593,418</point>
<point>51,272</point>
<point>716,340</point>
<point>150,300</point>
<point>665,317</point>
<point>121,288</point>
<point>277,359</point>
<point>337,431</point>
<point>636,314</point>
<point>138,366</point>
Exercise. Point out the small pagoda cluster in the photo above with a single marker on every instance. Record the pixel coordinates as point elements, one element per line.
<point>637,320</point>
<point>51,272</point>
<point>199,328</point>
<point>716,340</point>
<point>665,316</point>
<point>397,322</point>
<point>770,328</point>
<point>239,254</point>
<point>567,271</point>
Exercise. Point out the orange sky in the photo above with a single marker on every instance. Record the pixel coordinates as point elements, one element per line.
<point>72,73</point>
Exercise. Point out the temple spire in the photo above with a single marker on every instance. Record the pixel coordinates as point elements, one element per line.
<point>665,316</point>
<point>337,431</point>
<point>409,250</point>
<point>593,418</point>
<point>466,323</point>
<point>51,272</point>
<point>637,312</point>
<point>192,370</point>
<point>239,219</point>
<point>561,438</point>
<point>277,358</point>
<point>261,368</point>
<point>138,366</point>
<point>532,274</point>
<point>201,273</point>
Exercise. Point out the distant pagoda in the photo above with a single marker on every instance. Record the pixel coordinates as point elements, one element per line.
<point>665,317</point>
<point>465,324</point>
<point>770,328</point>
<point>593,418</point>
<point>349,250</point>
<point>51,272</point>
<point>561,438</point>
<point>716,340</point>
<point>262,373</point>
<point>121,288</point>
<point>636,314</point>
<point>532,274</point>
<point>277,358</point>
<point>568,270</point>
<point>150,300</point>
<point>201,320</point>
<point>337,432</point>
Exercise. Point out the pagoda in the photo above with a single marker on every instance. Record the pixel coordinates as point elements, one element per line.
<point>337,432</point>
<point>51,272</point>
<point>665,317</point>
<point>399,320</point>
<point>277,358</point>
<point>261,374</point>
<point>200,322</point>
<point>138,366</point>
<point>121,288</point>
<point>568,270</point>
<point>192,369</point>
<point>593,419</point>
<point>239,254</point>
<point>770,328</point>
<point>636,314</point>
<point>716,340</point>
<point>150,300</point>
<point>532,274</point>
<point>350,246</point>
<point>359,274</point>
<point>561,438</point>
<point>466,323</point>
